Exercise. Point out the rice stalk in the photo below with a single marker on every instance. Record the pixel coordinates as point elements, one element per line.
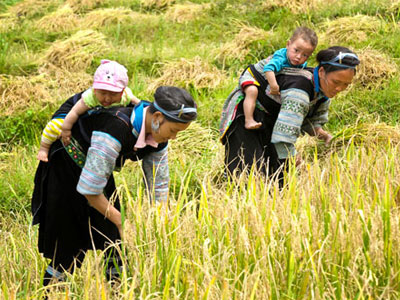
<point>239,47</point>
<point>189,73</point>
<point>347,29</point>
<point>367,134</point>
<point>63,19</point>
<point>77,52</point>
<point>183,13</point>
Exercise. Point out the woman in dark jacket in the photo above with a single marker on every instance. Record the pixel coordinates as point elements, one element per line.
<point>302,107</point>
<point>73,199</point>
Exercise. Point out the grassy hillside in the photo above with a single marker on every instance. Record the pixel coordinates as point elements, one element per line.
<point>331,233</point>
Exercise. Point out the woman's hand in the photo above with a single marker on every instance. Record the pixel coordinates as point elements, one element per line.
<point>298,160</point>
<point>323,135</point>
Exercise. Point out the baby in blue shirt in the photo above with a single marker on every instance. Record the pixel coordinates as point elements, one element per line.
<point>298,49</point>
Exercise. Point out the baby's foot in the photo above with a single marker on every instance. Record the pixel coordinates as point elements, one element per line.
<point>251,124</point>
<point>43,156</point>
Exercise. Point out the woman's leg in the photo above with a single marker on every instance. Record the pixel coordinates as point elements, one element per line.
<point>244,148</point>
<point>58,266</point>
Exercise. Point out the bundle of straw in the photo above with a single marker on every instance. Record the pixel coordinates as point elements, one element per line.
<point>375,68</point>
<point>186,73</point>
<point>297,6</point>
<point>30,8</point>
<point>19,93</point>
<point>156,4</point>
<point>346,29</point>
<point>109,16</point>
<point>76,53</point>
<point>8,22</point>
<point>84,5</point>
<point>63,19</point>
<point>182,13</point>
<point>63,83</point>
<point>238,48</point>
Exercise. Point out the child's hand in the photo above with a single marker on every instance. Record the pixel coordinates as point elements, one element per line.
<point>66,136</point>
<point>274,90</point>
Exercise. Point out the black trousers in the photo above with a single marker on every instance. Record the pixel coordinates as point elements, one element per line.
<point>246,148</point>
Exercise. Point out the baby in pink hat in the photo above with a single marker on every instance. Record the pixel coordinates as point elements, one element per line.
<point>109,89</point>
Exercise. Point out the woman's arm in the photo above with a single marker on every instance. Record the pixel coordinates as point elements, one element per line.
<point>101,204</point>
<point>294,108</point>
<point>99,165</point>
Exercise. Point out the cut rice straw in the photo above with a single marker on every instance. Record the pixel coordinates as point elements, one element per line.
<point>19,93</point>
<point>77,52</point>
<point>297,6</point>
<point>347,29</point>
<point>63,19</point>
<point>8,22</point>
<point>239,47</point>
<point>81,6</point>
<point>156,4</point>
<point>30,8</point>
<point>375,68</point>
<point>109,16</point>
<point>51,85</point>
<point>183,13</point>
<point>186,73</point>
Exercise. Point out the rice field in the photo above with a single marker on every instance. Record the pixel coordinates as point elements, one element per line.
<point>332,231</point>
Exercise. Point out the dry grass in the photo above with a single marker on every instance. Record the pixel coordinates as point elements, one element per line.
<point>375,68</point>
<point>189,73</point>
<point>156,4</point>
<point>77,52</point>
<point>63,19</point>
<point>347,29</point>
<point>238,48</point>
<point>182,13</point>
<point>29,8</point>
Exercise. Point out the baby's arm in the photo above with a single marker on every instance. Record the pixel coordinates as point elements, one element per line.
<point>273,85</point>
<point>78,109</point>
<point>135,100</point>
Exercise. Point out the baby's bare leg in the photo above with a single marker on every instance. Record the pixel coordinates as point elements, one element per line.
<point>43,153</point>
<point>249,105</point>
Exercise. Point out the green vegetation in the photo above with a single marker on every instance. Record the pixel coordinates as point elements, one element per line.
<point>331,233</point>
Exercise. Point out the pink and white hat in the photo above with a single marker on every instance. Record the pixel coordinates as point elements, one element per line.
<point>110,76</point>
